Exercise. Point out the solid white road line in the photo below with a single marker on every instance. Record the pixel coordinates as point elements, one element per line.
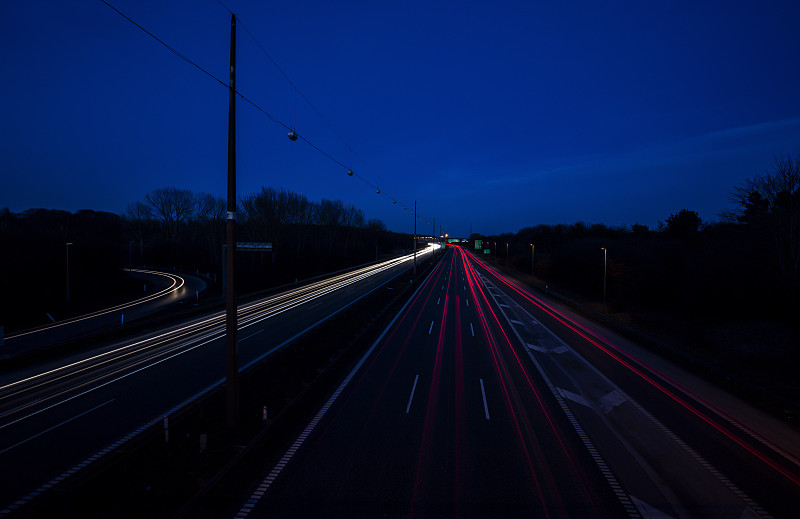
<point>109,382</point>
<point>203,392</point>
<point>254,333</point>
<point>276,470</point>
<point>55,426</point>
<point>413,388</point>
<point>537,348</point>
<point>485,407</point>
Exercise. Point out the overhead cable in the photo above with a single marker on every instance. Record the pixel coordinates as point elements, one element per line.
<point>258,107</point>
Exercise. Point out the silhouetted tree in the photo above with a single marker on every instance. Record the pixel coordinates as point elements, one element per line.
<point>140,218</point>
<point>5,217</point>
<point>208,223</point>
<point>171,207</point>
<point>374,224</point>
<point>639,229</point>
<point>33,263</point>
<point>683,224</point>
<point>772,202</point>
<point>330,213</point>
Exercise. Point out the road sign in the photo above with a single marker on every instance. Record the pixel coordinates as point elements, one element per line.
<point>478,244</point>
<point>251,246</point>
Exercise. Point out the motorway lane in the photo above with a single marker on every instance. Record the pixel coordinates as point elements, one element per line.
<point>42,437</point>
<point>442,420</point>
<point>649,427</point>
<point>167,289</point>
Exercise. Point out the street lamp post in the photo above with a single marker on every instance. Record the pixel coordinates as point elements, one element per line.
<point>415,238</point>
<point>68,244</point>
<point>605,272</point>
<point>531,260</point>
<point>506,254</point>
<point>130,255</point>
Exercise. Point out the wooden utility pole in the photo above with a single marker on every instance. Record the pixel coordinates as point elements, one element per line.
<point>231,354</point>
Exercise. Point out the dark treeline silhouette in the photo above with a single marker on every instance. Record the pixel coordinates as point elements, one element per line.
<point>175,229</point>
<point>683,266</point>
<point>744,265</point>
<point>33,263</point>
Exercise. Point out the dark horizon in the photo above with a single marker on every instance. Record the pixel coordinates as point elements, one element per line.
<point>580,113</point>
<point>423,229</point>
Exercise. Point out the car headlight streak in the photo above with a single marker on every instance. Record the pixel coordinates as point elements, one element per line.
<point>209,328</point>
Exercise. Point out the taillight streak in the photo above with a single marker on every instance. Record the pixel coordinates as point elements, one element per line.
<point>553,425</point>
<point>593,339</point>
<point>460,408</point>
<point>433,395</point>
<point>502,375</point>
<point>430,282</point>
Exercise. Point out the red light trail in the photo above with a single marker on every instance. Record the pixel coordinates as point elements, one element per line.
<point>503,373</point>
<point>617,354</point>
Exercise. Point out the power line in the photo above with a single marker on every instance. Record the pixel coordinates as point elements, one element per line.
<point>310,104</point>
<point>200,68</point>
<point>162,42</point>
<point>258,107</point>
<point>225,7</point>
<point>287,78</point>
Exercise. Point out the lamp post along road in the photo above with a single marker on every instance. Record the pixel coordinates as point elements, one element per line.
<point>532,260</point>
<point>415,238</point>
<point>68,244</point>
<point>231,353</point>
<point>605,272</point>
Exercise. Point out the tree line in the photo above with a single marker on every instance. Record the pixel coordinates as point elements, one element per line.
<point>744,264</point>
<point>176,229</point>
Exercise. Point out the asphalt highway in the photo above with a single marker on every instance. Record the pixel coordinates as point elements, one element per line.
<point>166,289</point>
<point>483,400</point>
<point>61,416</point>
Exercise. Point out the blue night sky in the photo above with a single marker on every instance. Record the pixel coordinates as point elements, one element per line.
<point>496,114</point>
